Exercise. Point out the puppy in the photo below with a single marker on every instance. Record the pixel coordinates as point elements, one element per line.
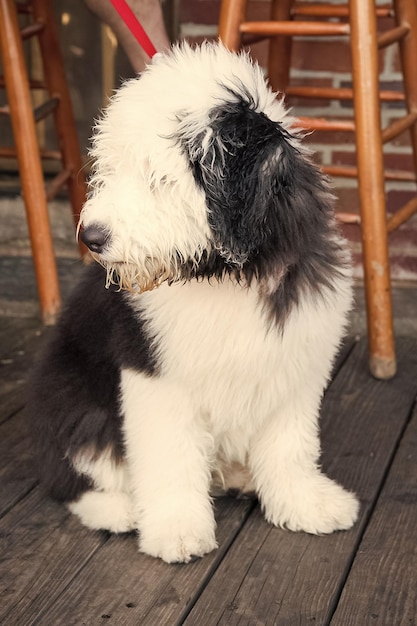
<point>201,343</point>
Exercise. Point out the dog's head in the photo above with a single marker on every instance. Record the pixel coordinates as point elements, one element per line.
<point>197,172</point>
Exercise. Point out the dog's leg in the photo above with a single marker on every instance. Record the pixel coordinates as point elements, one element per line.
<point>293,491</point>
<point>168,454</point>
<point>108,506</point>
<point>105,510</point>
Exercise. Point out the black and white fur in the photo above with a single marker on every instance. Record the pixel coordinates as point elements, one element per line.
<point>228,287</point>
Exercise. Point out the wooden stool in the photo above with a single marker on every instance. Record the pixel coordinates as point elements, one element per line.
<point>26,149</point>
<point>359,23</point>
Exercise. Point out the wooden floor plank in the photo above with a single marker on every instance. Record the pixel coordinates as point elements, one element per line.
<point>14,333</point>
<point>127,587</point>
<point>42,549</point>
<point>381,588</point>
<point>17,474</point>
<point>271,576</point>
<point>20,345</point>
<point>15,368</point>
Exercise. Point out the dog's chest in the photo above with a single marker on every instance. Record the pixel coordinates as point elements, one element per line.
<point>216,341</point>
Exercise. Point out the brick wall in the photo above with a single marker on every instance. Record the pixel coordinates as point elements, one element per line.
<point>326,62</point>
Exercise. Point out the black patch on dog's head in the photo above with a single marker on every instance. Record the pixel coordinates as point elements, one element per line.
<point>244,148</point>
<point>269,207</point>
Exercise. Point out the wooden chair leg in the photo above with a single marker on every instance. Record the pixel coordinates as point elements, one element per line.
<point>406,13</point>
<point>65,127</point>
<point>23,124</point>
<point>279,55</point>
<point>372,188</point>
<point>232,13</point>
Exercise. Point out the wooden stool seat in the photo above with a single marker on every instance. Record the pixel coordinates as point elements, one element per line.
<point>357,20</point>
<point>23,118</point>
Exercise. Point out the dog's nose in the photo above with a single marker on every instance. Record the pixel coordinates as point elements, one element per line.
<point>95,238</point>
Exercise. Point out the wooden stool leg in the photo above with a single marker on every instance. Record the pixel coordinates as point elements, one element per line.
<point>371,188</point>
<point>406,13</point>
<point>17,87</point>
<point>279,55</point>
<point>54,71</point>
<point>232,13</point>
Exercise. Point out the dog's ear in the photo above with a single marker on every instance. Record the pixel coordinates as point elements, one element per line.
<point>246,164</point>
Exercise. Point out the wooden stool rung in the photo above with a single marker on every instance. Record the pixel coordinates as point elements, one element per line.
<point>338,93</point>
<point>10,152</point>
<point>37,84</point>
<point>402,215</point>
<point>294,28</point>
<point>45,109</point>
<point>40,112</point>
<point>33,84</point>
<point>398,126</point>
<point>319,123</point>
<point>394,221</point>
<point>50,155</point>
<point>340,171</point>
<point>392,36</point>
<point>350,171</point>
<point>348,218</point>
<point>57,183</point>
<point>31,30</point>
<point>325,93</point>
<point>322,9</point>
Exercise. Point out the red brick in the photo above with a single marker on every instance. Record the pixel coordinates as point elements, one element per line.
<point>404,268</point>
<point>396,198</point>
<point>401,140</point>
<point>340,157</point>
<point>399,161</point>
<point>405,236</point>
<point>331,138</point>
<point>352,232</point>
<point>259,51</point>
<point>258,10</point>
<point>347,199</point>
<point>319,55</point>
<point>208,11</point>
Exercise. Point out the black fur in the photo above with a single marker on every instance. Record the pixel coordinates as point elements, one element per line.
<point>269,206</point>
<point>74,394</point>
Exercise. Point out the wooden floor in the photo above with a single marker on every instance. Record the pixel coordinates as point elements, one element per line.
<point>54,571</point>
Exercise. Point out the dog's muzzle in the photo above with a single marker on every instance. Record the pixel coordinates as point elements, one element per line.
<point>95,238</point>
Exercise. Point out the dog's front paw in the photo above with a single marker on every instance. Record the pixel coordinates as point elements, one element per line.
<point>317,505</point>
<point>178,540</point>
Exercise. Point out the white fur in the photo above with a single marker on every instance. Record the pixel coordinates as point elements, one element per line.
<point>108,510</point>
<point>232,388</point>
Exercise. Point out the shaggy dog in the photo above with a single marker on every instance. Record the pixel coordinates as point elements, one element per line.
<point>228,287</point>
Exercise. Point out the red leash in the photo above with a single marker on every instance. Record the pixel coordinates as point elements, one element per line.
<point>134,26</point>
